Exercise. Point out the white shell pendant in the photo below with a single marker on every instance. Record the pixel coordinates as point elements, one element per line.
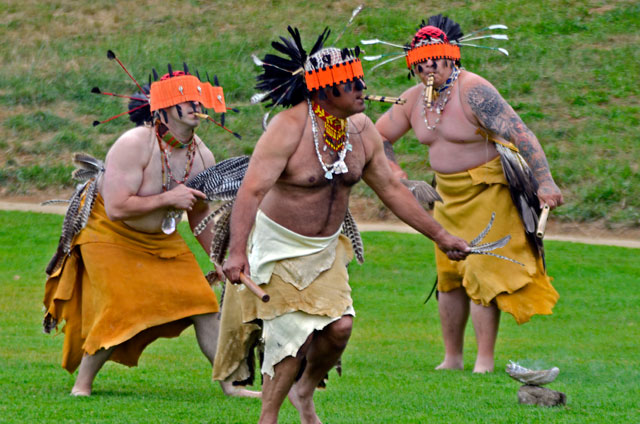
<point>168,224</point>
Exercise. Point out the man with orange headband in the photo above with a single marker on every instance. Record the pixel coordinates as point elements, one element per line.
<point>476,147</point>
<point>289,213</point>
<point>128,277</point>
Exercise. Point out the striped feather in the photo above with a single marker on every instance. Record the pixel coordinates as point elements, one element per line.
<point>350,229</point>
<point>221,181</point>
<point>220,242</point>
<point>80,205</point>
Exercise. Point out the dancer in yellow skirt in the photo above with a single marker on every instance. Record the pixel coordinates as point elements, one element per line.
<point>486,160</point>
<point>127,277</point>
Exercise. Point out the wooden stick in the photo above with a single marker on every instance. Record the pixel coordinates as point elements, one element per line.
<point>542,221</point>
<point>386,99</point>
<point>254,288</point>
<point>251,285</point>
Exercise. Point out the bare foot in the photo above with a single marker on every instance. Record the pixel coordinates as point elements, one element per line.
<point>237,391</point>
<point>80,392</point>
<point>451,364</point>
<point>304,405</point>
<point>483,365</point>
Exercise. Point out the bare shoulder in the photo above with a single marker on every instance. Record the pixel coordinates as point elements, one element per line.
<point>361,122</point>
<point>204,153</point>
<point>366,130</point>
<point>285,130</point>
<point>473,85</point>
<point>136,143</point>
<point>412,93</point>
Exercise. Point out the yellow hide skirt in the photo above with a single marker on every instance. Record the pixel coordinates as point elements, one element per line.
<point>469,198</point>
<point>120,287</point>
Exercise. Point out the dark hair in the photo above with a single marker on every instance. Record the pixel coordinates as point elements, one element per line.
<point>140,116</point>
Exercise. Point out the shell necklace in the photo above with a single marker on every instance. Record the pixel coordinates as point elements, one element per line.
<point>337,167</point>
<point>440,104</point>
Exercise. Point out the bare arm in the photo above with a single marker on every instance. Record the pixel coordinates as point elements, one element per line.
<point>268,161</point>
<point>391,126</point>
<point>497,116</point>
<point>377,174</point>
<point>124,170</point>
<point>201,208</point>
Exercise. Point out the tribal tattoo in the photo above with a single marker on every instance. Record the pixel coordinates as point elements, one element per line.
<point>388,151</point>
<point>496,115</point>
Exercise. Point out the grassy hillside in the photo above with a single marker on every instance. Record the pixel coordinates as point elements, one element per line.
<point>572,75</point>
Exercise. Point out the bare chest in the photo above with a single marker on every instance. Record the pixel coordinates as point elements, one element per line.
<point>446,122</point>
<point>165,170</point>
<point>313,160</point>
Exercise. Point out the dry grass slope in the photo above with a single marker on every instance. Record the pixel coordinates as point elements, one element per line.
<point>572,75</point>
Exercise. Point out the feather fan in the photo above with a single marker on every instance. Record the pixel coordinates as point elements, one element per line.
<point>524,193</point>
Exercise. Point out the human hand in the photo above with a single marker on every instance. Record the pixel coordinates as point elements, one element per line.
<point>549,194</point>
<point>183,197</point>
<point>233,266</point>
<point>455,247</point>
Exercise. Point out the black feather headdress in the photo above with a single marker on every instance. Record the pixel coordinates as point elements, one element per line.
<point>287,81</point>
<point>449,27</point>
<point>282,80</point>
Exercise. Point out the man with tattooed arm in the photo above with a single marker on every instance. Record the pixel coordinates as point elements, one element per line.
<point>462,127</point>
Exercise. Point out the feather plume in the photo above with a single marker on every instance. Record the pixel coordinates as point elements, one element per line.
<point>423,192</point>
<point>450,27</point>
<point>89,170</point>
<point>54,202</point>
<point>220,242</point>
<point>221,181</point>
<point>282,80</point>
<point>202,225</point>
<point>484,232</point>
<point>524,193</point>
<point>350,229</point>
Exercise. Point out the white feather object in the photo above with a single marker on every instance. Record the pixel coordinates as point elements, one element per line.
<point>531,377</point>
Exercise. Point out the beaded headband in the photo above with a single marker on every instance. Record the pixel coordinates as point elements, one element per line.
<point>331,67</point>
<point>432,51</point>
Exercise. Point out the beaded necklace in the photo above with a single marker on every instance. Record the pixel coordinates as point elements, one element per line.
<point>446,88</point>
<point>162,132</point>
<point>168,225</point>
<point>337,167</point>
<point>334,128</point>
<point>167,174</point>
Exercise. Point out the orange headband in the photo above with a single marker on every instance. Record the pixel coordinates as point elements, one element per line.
<point>432,51</point>
<point>336,74</point>
<point>186,88</point>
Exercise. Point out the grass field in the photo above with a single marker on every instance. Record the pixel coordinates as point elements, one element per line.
<point>572,74</point>
<point>388,366</point>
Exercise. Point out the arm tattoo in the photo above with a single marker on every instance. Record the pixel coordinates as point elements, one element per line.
<point>494,114</point>
<point>388,151</point>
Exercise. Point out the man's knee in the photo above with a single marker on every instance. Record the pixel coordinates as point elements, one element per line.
<point>340,330</point>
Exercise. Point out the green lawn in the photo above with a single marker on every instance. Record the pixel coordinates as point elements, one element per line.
<point>572,74</point>
<point>388,366</point>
